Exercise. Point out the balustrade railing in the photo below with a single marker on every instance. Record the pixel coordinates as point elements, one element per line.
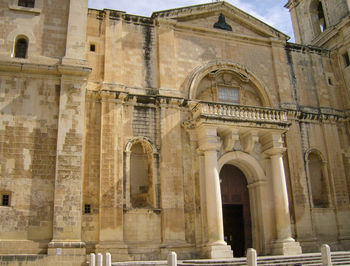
<point>238,112</point>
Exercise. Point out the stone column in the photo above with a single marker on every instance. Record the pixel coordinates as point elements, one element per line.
<point>209,144</point>
<point>280,196</point>
<point>284,244</point>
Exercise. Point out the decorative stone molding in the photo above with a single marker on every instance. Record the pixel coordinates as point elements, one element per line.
<point>248,140</point>
<point>309,114</point>
<point>272,144</point>
<point>208,139</point>
<point>240,113</point>
<point>199,73</point>
<point>230,138</point>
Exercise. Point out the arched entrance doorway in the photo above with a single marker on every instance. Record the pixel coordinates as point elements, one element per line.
<point>236,209</point>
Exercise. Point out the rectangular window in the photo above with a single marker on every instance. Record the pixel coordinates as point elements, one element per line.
<point>330,82</point>
<point>87,208</point>
<point>346,59</point>
<point>228,95</point>
<point>26,3</point>
<point>92,48</point>
<point>5,200</point>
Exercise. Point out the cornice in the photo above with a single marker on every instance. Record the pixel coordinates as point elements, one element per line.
<point>48,69</point>
<point>289,112</point>
<point>323,114</point>
<point>307,48</point>
<point>137,99</point>
<point>292,4</point>
<point>120,15</point>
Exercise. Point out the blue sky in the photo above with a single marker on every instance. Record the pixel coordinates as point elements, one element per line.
<point>271,12</point>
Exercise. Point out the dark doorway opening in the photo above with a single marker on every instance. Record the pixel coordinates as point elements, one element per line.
<point>236,210</point>
<point>234,228</point>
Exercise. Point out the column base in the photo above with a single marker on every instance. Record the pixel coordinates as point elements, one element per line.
<point>217,252</point>
<point>118,250</point>
<point>286,248</point>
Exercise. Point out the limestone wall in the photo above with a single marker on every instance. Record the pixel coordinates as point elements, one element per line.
<point>126,48</point>
<point>29,108</point>
<point>315,78</point>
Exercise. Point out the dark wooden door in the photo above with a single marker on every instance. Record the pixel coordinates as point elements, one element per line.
<point>236,209</point>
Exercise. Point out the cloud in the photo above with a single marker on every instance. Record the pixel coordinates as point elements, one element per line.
<point>271,12</point>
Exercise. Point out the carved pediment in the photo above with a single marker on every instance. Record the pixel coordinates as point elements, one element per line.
<point>221,17</point>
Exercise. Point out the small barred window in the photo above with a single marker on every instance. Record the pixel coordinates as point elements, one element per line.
<point>5,200</point>
<point>87,208</point>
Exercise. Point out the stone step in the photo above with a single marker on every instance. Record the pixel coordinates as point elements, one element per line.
<point>311,259</point>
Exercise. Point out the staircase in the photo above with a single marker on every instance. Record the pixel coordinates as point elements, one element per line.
<point>338,258</point>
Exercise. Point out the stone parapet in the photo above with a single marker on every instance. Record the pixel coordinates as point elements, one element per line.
<point>240,113</point>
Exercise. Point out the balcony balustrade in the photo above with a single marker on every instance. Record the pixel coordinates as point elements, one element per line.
<point>239,113</point>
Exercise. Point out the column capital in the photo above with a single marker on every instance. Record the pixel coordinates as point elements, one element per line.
<point>208,139</point>
<point>248,140</point>
<point>272,144</point>
<point>230,138</point>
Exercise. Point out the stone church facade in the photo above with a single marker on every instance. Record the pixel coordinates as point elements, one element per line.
<point>199,130</point>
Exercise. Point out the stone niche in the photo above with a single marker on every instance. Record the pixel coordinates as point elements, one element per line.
<point>228,87</point>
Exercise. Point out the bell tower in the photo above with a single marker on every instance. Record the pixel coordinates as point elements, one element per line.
<point>314,19</point>
<point>325,24</point>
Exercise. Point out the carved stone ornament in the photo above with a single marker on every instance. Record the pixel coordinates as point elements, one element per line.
<point>221,24</point>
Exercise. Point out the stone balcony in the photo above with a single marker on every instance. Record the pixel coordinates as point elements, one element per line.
<point>238,113</point>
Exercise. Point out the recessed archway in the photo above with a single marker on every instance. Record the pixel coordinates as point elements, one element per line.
<point>217,66</point>
<point>259,195</point>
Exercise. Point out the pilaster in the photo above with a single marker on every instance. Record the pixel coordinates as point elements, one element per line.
<point>76,33</point>
<point>111,190</point>
<point>172,182</point>
<point>68,179</point>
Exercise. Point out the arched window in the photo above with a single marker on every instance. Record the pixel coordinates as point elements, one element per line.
<point>318,17</point>
<point>26,3</point>
<point>140,178</point>
<point>321,17</point>
<point>21,48</point>
<point>317,172</point>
